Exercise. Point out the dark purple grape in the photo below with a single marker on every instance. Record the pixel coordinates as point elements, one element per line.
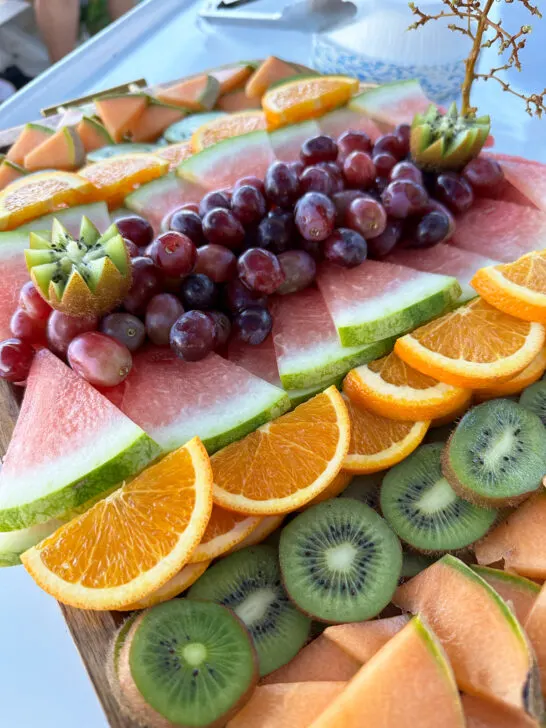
<point>162,312</point>
<point>253,325</point>
<point>188,223</point>
<point>216,262</point>
<point>336,173</point>
<point>281,184</point>
<point>403,134</point>
<point>16,358</point>
<point>198,291</point>
<point>297,166</point>
<point>316,179</point>
<point>403,198</point>
<point>313,247</point>
<point>389,144</point>
<point>252,181</point>
<point>432,229</point>
<point>237,297</point>
<point>212,200</point>
<point>407,170</point>
<point>125,328</point>
<point>174,254</point>
<point>222,328</point>
<point>260,270</point>
<point>342,200</point>
<point>454,191</point>
<point>248,205</point>
<point>359,170</point>
<point>136,229</point>
<point>299,270</point>
<point>434,205</point>
<point>275,233</point>
<point>381,184</point>
<point>485,175</point>
<point>353,141</point>
<point>384,163</point>
<point>147,281</point>
<point>383,244</point>
<point>320,148</point>
<point>367,216</point>
<point>221,227</point>
<point>192,336</point>
<point>346,248</point>
<point>132,249</point>
<point>315,216</point>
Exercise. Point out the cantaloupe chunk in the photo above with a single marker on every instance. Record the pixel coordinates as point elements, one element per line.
<point>231,77</point>
<point>291,705</point>
<point>520,541</point>
<point>237,101</point>
<point>195,94</point>
<point>9,172</point>
<point>30,138</point>
<point>93,134</point>
<point>320,660</point>
<point>485,643</point>
<point>407,684</point>
<point>481,713</point>
<point>269,72</point>
<point>63,150</point>
<point>361,640</point>
<point>120,112</point>
<point>519,593</point>
<point>154,120</point>
<point>535,626</point>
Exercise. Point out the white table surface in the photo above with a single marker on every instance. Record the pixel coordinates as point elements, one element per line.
<point>42,680</point>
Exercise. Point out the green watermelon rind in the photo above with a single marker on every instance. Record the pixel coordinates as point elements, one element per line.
<point>15,543</point>
<point>405,319</point>
<point>302,131</point>
<point>138,201</point>
<point>122,466</point>
<point>298,396</point>
<point>45,222</point>
<point>376,101</point>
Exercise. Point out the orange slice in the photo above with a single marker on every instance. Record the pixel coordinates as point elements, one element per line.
<point>267,525</point>
<point>225,127</point>
<point>225,530</point>
<point>114,178</point>
<point>285,463</point>
<point>474,346</point>
<point>306,98</point>
<point>175,586</point>
<point>37,194</point>
<point>517,384</point>
<point>337,486</point>
<point>377,442</point>
<point>175,153</point>
<point>392,388</point>
<point>517,288</point>
<point>134,541</point>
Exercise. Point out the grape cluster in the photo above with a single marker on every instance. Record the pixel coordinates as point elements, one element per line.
<point>208,276</point>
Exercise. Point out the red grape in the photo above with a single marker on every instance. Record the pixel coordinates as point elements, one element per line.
<point>313,247</point>
<point>315,215</point>
<point>253,325</point>
<point>162,312</point>
<point>403,198</point>
<point>222,328</point>
<point>213,200</point>
<point>384,163</point>
<point>252,181</point>
<point>432,229</point>
<point>353,141</point>
<point>192,336</point>
<point>381,184</point>
<point>342,200</point>
<point>316,179</point>
<point>345,247</point>
<point>198,292</point>
<point>216,262</point>
<point>383,244</point>
<point>33,303</point>
<point>136,229</point>
<point>434,205</point>
<point>367,216</point>
<point>454,191</point>
<point>174,254</point>
<point>403,134</point>
<point>100,359</point>
<point>297,166</point>
<point>221,227</point>
<point>389,144</point>
<point>299,270</point>
<point>62,328</point>
<point>336,175</point>
<point>359,170</point>
<point>147,281</point>
<point>485,175</point>
<point>188,223</point>
<point>16,358</point>
<point>132,249</point>
<point>407,170</point>
<point>29,329</point>
<point>275,233</point>
<point>320,148</point>
<point>191,207</point>
<point>281,184</point>
<point>248,204</point>
<point>237,297</point>
<point>125,328</point>
<point>260,270</point>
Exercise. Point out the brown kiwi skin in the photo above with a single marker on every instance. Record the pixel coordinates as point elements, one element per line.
<point>133,704</point>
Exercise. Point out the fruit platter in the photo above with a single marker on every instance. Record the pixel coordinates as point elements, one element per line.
<point>273,400</point>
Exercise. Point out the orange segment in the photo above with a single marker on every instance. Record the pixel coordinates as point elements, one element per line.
<point>517,384</point>
<point>114,178</point>
<point>474,346</point>
<point>306,98</point>
<point>517,288</point>
<point>377,442</point>
<point>175,153</point>
<point>225,127</point>
<point>392,388</point>
<point>175,586</point>
<point>285,463</point>
<point>131,543</point>
<point>225,530</point>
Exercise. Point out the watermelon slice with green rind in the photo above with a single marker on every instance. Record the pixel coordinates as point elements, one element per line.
<point>527,176</point>
<point>157,200</point>
<point>287,141</point>
<point>222,164</point>
<point>71,218</point>
<point>307,347</point>
<point>336,122</point>
<point>173,400</point>
<point>14,543</point>
<point>69,445</point>
<point>392,103</point>
<point>377,300</point>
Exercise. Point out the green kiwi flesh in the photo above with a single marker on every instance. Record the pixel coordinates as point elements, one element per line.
<point>249,582</point>
<point>534,399</point>
<point>340,561</point>
<point>496,454</point>
<point>423,509</point>
<point>364,488</point>
<point>186,663</point>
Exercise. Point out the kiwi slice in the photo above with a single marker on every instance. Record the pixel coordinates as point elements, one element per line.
<point>364,488</point>
<point>188,662</point>
<point>181,131</point>
<point>496,454</point>
<point>534,399</point>
<point>114,150</point>
<point>424,510</point>
<point>340,561</point>
<point>249,583</point>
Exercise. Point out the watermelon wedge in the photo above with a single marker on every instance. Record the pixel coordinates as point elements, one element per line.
<point>500,230</point>
<point>69,444</point>
<point>158,199</point>
<point>528,177</point>
<point>173,400</point>
<point>307,346</point>
<point>14,543</point>
<point>377,300</point>
<point>445,260</point>
<point>338,121</point>
<point>71,218</point>
<point>287,140</point>
<point>225,162</point>
<point>392,103</point>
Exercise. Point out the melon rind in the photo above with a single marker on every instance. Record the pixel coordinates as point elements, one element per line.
<point>378,103</point>
<point>159,198</point>
<point>14,543</point>
<point>287,140</point>
<point>297,396</point>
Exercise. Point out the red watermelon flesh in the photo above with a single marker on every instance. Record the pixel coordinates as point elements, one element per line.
<point>14,276</point>
<point>509,193</point>
<point>173,400</point>
<point>287,141</point>
<point>157,200</point>
<point>500,230</point>
<point>258,360</point>
<point>340,120</point>
<point>392,103</point>
<point>527,176</point>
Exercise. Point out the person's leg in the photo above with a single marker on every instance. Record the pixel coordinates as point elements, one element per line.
<point>58,23</point>
<point>117,8</point>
